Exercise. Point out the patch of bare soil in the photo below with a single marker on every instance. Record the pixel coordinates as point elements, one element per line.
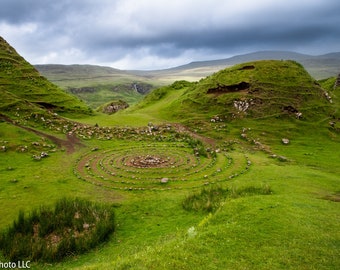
<point>183,129</point>
<point>69,144</point>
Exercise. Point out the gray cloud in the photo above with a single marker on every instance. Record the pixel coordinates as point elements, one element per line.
<point>150,34</point>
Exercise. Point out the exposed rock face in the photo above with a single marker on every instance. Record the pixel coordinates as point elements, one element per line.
<point>82,90</point>
<point>138,87</point>
<point>115,106</point>
<point>221,89</point>
<point>142,88</point>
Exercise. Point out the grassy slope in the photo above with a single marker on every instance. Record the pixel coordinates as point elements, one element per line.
<point>297,227</point>
<point>274,86</point>
<point>23,87</point>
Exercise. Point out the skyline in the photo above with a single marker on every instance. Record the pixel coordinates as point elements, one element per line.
<point>149,34</point>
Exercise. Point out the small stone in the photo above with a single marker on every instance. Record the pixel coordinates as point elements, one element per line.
<point>164,180</point>
<point>43,154</point>
<point>282,158</point>
<point>285,141</point>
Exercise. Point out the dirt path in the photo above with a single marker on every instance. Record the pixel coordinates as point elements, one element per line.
<point>183,129</point>
<point>69,144</point>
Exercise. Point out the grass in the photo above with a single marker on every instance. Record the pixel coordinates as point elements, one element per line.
<point>244,232</point>
<point>24,88</point>
<point>72,227</point>
<point>210,199</point>
<point>295,227</point>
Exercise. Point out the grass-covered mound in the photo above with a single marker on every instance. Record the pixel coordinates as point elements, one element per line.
<point>73,226</point>
<point>210,199</point>
<point>113,106</point>
<point>261,89</point>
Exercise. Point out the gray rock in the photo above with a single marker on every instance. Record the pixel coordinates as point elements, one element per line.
<point>285,141</point>
<point>164,180</point>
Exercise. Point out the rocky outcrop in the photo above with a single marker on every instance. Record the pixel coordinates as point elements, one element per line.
<point>114,107</point>
<point>222,89</point>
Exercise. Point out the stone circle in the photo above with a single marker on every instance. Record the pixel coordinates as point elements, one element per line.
<point>142,166</point>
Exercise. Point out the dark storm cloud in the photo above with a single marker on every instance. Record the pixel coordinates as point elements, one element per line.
<point>154,33</point>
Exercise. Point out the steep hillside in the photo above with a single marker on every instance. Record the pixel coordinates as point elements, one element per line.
<point>262,89</point>
<point>23,89</point>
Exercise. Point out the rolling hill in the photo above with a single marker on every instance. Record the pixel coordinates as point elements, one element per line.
<point>98,85</point>
<point>320,67</point>
<point>260,89</point>
<point>238,170</point>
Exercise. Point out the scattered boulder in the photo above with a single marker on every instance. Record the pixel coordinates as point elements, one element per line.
<point>39,157</point>
<point>285,141</point>
<point>328,97</point>
<point>242,105</point>
<point>43,154</point>
<point>164,180</point>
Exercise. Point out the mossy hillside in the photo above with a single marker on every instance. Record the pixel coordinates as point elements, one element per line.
<point>22,85</point>
<point>262,89</point>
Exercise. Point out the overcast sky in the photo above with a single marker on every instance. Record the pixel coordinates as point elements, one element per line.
<point>155,34</point>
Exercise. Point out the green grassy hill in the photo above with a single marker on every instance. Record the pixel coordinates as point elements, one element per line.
<point>254,90</point>
<point>23,88</point>
<point>236,171</point>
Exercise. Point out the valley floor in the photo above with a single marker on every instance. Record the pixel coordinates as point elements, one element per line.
<point>295,227</point>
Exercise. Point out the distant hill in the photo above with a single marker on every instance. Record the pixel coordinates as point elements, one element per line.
<point>320,67</point>
<point>98,85</point>
<point>102,78</point>
<point>22,88</point>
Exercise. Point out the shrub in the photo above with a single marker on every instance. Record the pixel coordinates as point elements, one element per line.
<point>73,226</point>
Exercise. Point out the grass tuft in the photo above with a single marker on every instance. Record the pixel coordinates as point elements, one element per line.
<point>72,227</point>
<point>210,199</point>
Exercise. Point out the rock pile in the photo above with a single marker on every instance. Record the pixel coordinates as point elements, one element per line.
<point>115,106</point>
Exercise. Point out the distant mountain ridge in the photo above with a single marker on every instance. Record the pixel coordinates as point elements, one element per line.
<point>263,55</point>
<point>108,83</point>
<point>320,66</point>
